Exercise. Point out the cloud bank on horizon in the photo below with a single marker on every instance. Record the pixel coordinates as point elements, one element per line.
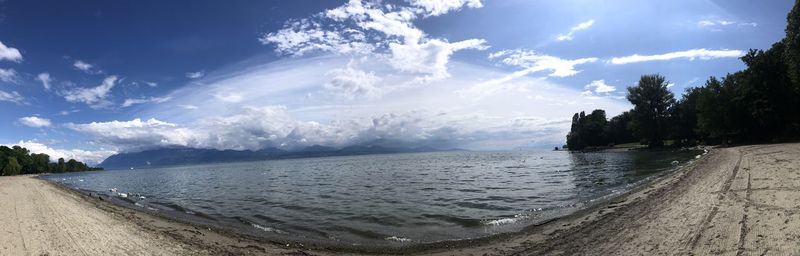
<point>415,73</point>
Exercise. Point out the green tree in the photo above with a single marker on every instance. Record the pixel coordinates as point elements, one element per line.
<point>684,118</point>
<point>792,40</point>
<point>618,130</point>
<point>62,167</point>
<point>587,130</point>
<point>651,100</point>
<point>12,167</point>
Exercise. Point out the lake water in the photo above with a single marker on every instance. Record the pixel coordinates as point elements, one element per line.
<point>383,200</point>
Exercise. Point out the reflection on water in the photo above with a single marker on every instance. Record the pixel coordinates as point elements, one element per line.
<point>390,200</point>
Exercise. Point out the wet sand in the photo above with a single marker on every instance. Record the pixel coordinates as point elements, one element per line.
<point>733,201</point>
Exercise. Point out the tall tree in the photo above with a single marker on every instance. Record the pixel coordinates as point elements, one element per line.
<point>792,40</point>
<point>618,130</point>
<point>651,100</point>
<point>683,128</point>
<point>62,166</point>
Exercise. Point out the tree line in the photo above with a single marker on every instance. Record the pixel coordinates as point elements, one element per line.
<point>18,160</point>
<point>757,104</point>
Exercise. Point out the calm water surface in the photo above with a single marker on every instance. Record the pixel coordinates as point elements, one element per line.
<point>383,200</point>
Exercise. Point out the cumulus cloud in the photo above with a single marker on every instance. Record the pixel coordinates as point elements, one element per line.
<point>439,7</point>
<point>45,79</point>
<point>693,54</point>
<point>569,35</point>
<point>89,157</point>
<point>136,134</point>
<point>12,96</point>
<point>352,83</point>
<point>386,30</point>
<point>532,62</point>
<point>131,102</point>
<point>35,121</point>
<point>195,75</point>
<point>9,53</point>
<point>94,96</point>
<point>599,88</point>
<point>429,58</point>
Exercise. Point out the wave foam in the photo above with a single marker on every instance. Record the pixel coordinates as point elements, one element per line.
<point>266,229</point>
<point>506,221</point>
<point>398,239</point>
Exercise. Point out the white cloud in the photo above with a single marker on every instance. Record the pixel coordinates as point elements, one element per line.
<point>136,134</point>
<point>188,106</point>
<point>9,53</point>
<point>431,57</point>
<point>717,24</point>
<point>352,83</point>
<point>533,62</point>
<point>89,157</point>
<point>151,84</point>
<point>439,7</point>
<point>86,67</point>
<point>131,102</point>
<point>94,96</point>
<point>569,35</point>
<point>35,121</point>
<point>702,54</point>
<point>11,97</point>
<point>45,79</point>
<point>195,75</point>
<point>230,97</point>
<point>67,112</point>
<point>599,87</point>
<point>8,75</point>
<point>392,35</point>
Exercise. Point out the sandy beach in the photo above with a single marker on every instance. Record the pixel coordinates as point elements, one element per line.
<point>733,201</point>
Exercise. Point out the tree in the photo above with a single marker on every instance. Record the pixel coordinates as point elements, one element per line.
<point>574,140</point>
<point>588,130</point>
<point>792,41</point>
<point>618,130</point>
<point>62,167</point>
<point>12,167</point>
<point>651,100</point>
<point>683,128</point>
<point>593,128</point>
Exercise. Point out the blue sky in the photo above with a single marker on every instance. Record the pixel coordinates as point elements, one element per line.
<point>94,78</point>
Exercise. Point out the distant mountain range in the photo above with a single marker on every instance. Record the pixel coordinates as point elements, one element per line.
<point>184,156</point>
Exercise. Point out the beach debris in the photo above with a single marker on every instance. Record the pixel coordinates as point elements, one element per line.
<point>113,190</point>
<point>674,162</point>
<point>697,156</point>
<point>123,195</point>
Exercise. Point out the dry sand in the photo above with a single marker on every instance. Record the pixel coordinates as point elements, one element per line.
<point>733,201</point>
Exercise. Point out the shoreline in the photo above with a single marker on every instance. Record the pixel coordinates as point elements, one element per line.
<point>301,243</point>
<point>661,216</point>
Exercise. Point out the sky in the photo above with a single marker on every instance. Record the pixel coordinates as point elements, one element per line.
<point>89,79</point>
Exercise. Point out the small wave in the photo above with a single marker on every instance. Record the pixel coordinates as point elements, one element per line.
<point>506,221</point>
<point>398,239</point>
<point>266,229</point>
